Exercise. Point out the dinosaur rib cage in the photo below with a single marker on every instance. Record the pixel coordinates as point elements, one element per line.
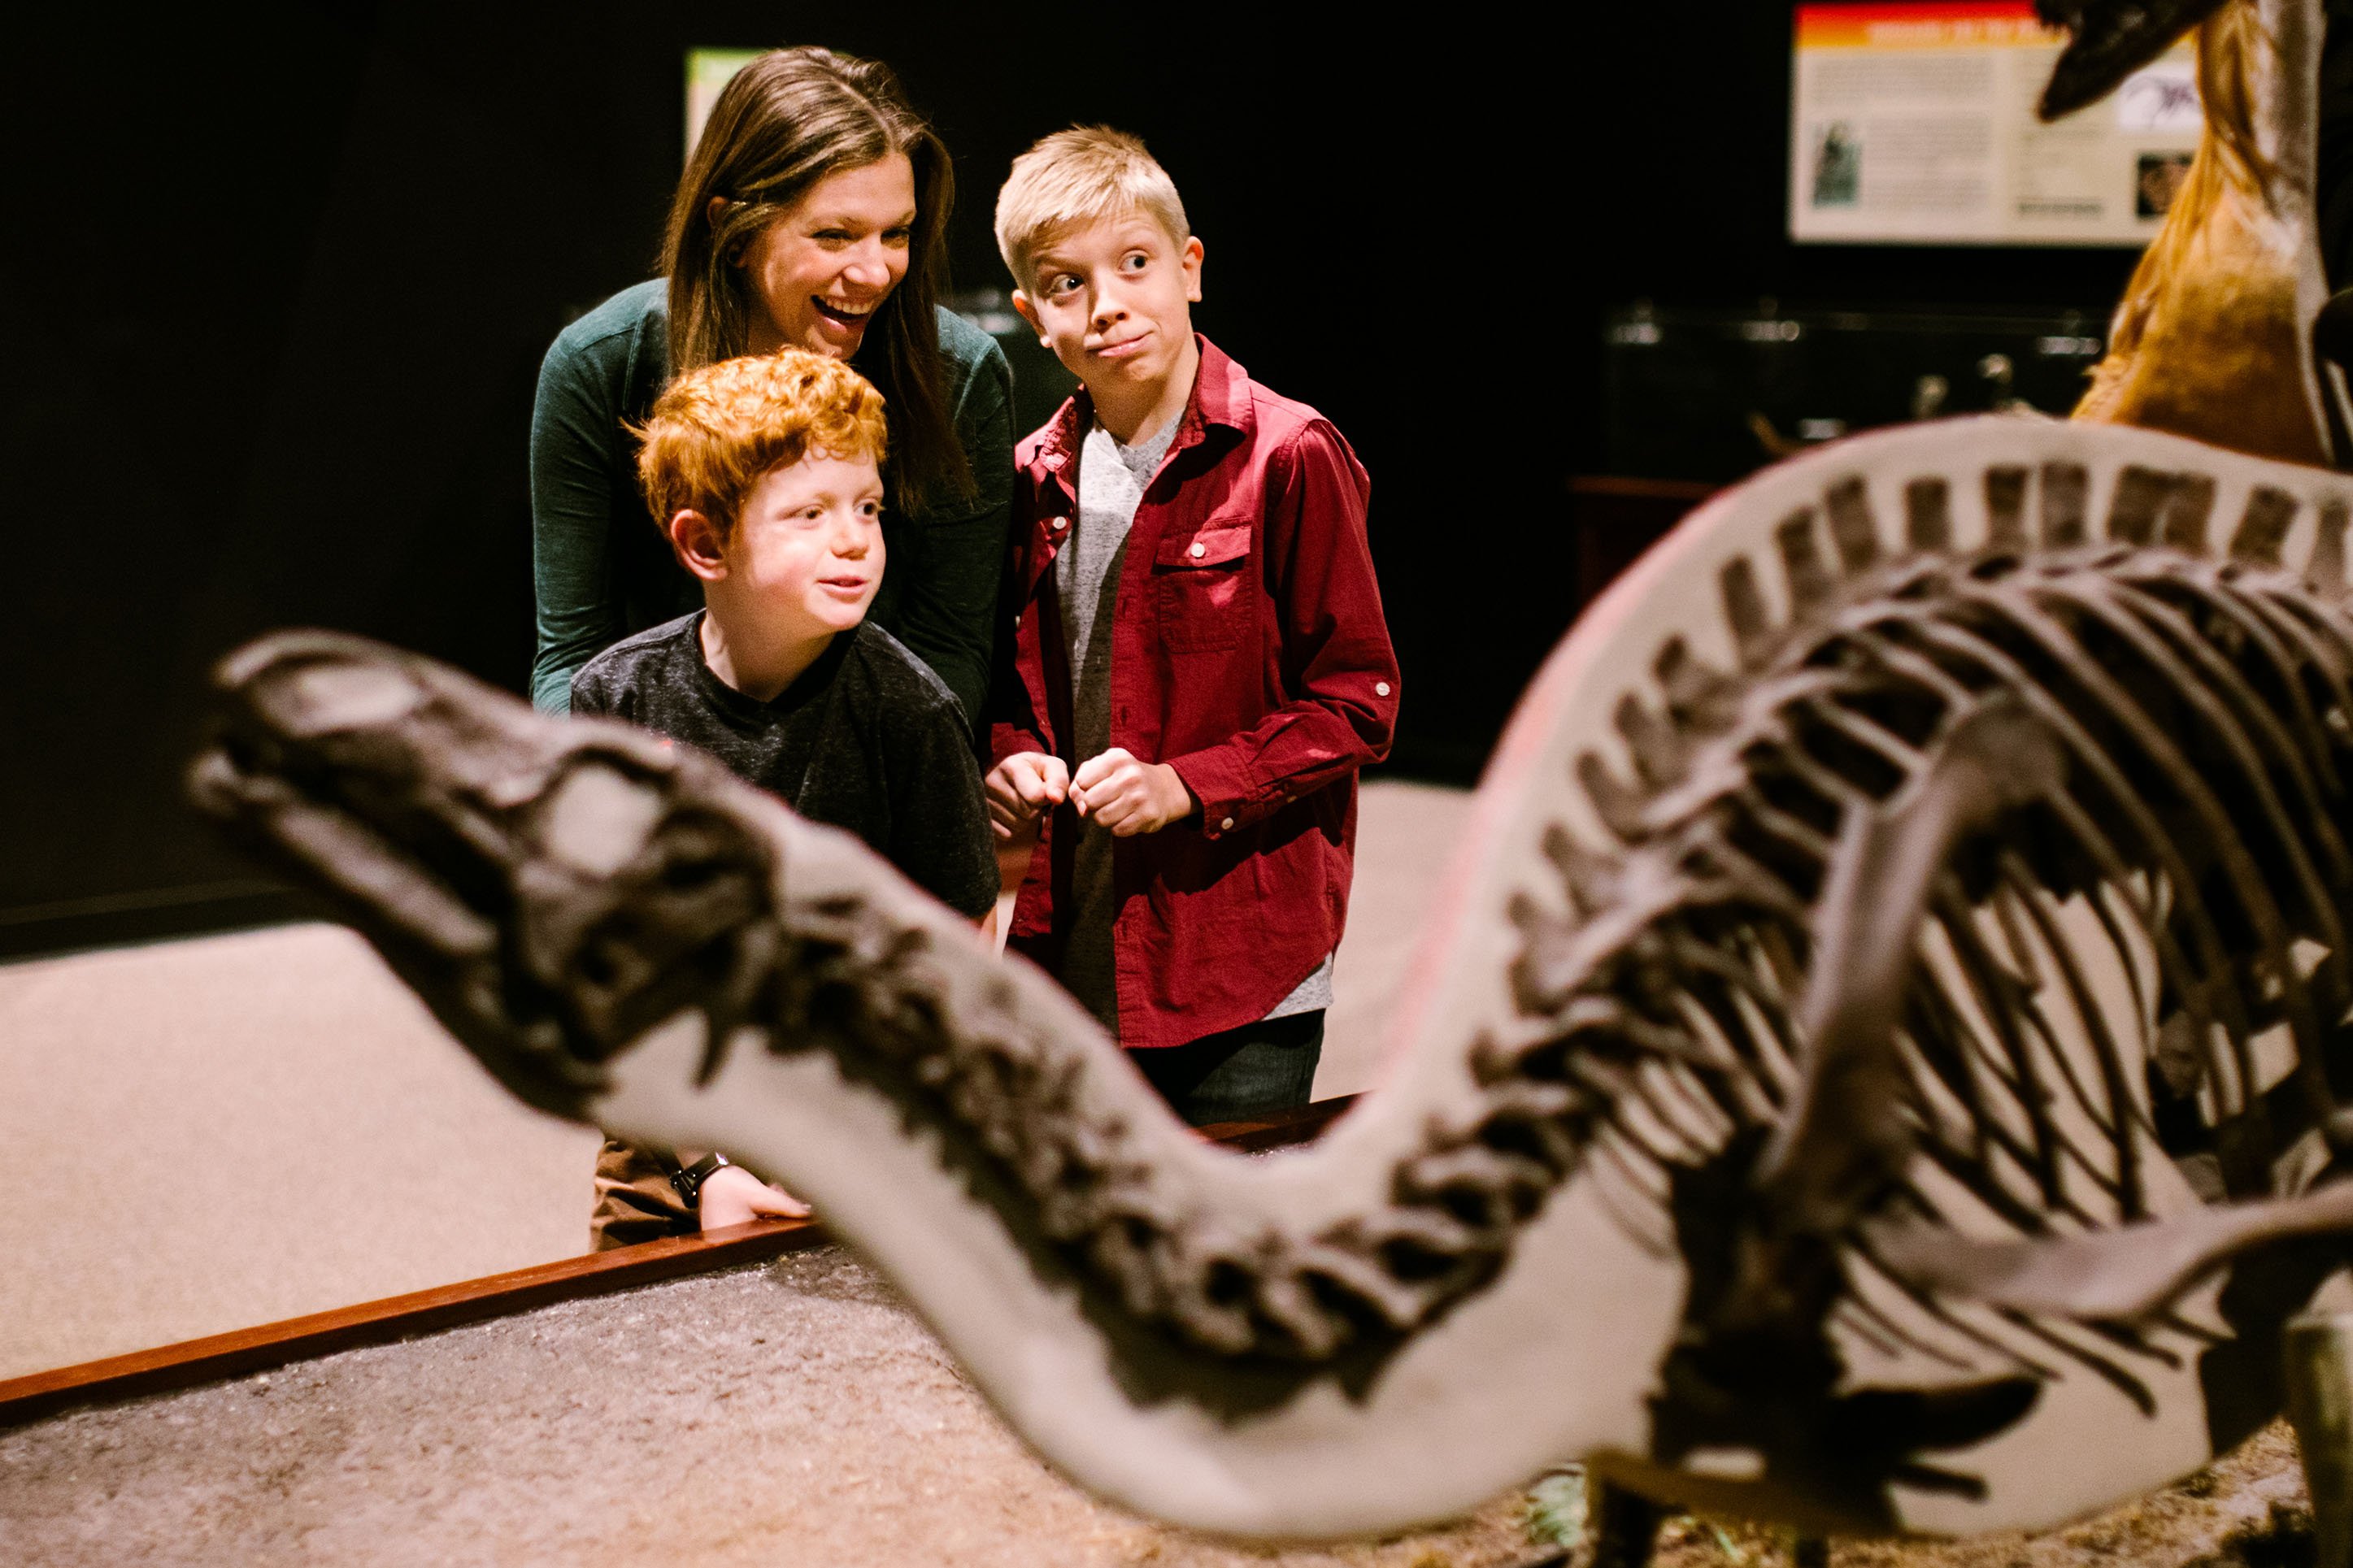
<point>2203,708</point>
<point>2195,851</point>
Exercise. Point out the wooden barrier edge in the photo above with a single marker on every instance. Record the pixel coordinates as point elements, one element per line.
<point>267,1345</point>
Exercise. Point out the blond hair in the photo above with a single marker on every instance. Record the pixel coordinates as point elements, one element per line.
<point>715,430</point>
<point>1078,175</point>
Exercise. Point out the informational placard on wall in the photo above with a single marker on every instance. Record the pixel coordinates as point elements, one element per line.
<point>1914,122</point>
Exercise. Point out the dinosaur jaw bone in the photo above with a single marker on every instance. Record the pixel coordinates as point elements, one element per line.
<point>297,756</point>
<point>474,856</point>
<point>2110,40</point>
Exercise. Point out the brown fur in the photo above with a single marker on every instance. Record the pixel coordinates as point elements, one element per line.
<point>2210,341</point>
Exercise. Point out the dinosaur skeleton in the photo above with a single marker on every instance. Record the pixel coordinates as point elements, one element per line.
<point>1869,1066</point>
<point>1903,1057</point>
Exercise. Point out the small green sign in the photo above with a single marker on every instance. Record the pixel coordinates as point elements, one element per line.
<point>708,71</point>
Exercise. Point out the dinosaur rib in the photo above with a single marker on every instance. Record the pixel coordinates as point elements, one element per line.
<point>1605,1206</point>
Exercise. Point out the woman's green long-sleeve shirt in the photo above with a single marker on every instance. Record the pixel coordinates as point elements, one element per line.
<point>601,568</point>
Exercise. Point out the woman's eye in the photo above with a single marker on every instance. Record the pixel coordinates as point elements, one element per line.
<point>900,235</point>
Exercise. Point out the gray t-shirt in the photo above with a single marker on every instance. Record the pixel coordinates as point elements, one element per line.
<point>868,738</point>
<point>1112,481</point>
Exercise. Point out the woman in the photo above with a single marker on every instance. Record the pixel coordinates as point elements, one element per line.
<point>811,215</point>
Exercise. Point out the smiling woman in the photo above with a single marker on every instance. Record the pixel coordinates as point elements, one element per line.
<point>821,272</point>
<point>810,215</point>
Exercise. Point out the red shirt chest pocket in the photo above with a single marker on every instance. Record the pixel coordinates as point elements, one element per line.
<point>1206,599</point>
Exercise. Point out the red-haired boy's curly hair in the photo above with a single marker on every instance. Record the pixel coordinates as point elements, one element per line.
<point>715,430</point>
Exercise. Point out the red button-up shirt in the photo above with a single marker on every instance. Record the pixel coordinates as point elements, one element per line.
<point>1249,654</point>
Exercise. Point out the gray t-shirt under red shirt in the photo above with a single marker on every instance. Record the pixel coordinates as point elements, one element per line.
<point>868,738</point>
<point>1113,479</point>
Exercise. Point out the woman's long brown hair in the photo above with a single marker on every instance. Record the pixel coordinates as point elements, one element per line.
<point>787,120</point>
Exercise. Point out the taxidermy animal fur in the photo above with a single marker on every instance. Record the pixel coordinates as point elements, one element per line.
<point>2213,338</point>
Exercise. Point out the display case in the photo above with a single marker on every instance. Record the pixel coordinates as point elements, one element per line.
<point>1714,394</point>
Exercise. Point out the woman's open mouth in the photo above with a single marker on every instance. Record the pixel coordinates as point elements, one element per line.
<point>853,316</point>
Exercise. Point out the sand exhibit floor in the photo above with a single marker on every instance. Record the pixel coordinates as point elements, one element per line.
<point>789,1414</point>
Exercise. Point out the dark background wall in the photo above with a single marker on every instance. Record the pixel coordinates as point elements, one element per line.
<point>279,282</point>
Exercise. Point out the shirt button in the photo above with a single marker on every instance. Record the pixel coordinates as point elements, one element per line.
<point>1227,826</point>
<point>1060,523</point>
<point>1380,689</point>
<point>1198,551</point>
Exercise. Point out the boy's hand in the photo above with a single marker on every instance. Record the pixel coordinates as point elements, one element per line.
<point>1128,796</point>
<point>1023,786</point>
<point>734,1195</point>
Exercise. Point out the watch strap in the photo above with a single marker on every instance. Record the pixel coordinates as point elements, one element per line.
<point>688,1184</point>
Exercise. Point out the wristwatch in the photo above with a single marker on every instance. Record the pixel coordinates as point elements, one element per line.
<point>688,1184</point>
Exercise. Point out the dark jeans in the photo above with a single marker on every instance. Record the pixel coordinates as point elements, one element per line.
<point>1241,1073</point>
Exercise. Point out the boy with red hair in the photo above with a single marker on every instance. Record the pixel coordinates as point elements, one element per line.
<point>768,473</point>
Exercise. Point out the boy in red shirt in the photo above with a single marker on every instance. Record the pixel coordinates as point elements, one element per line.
<point>1199,665</point>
